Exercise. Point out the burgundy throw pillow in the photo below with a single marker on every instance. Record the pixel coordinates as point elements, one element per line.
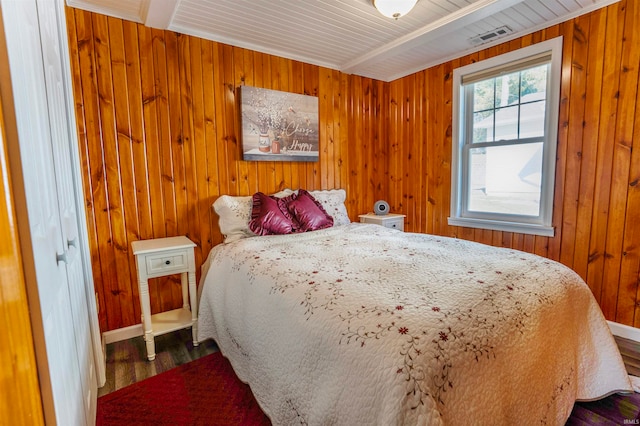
<point>283,203</point>
<point>309,213</point>
<point>267,218</point>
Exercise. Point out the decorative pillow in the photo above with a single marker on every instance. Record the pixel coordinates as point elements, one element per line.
<point>267,218</point>
<point>333,202</point>
<point>283,204</point>
<point>308,212</point>
<point>234,214</point>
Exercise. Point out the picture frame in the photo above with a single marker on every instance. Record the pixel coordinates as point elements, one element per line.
<point>278,126</point>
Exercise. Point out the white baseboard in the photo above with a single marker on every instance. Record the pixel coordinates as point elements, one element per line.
<point>124,333</point>
<point>625,331</point>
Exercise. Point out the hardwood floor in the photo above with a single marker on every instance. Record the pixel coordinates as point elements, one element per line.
<point>630,351</point>
<point>127,360</point>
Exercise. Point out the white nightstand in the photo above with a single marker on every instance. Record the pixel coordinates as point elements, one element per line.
<point>157,258</point>
<point>391,220</point>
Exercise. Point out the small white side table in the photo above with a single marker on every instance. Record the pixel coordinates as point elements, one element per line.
<point>157,258</point>
<point>391,220</point>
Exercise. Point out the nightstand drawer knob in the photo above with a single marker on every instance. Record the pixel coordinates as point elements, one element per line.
<point>168,262</point>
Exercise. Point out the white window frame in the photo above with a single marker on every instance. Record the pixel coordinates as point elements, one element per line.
<point>538,225</point>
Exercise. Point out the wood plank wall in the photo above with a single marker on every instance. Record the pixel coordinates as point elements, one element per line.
<point>158,130</point>
<point>20,402</point>
<point>597,196</point>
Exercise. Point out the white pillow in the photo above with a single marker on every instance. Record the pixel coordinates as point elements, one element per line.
<point>234,214</point>
<point>332,201</point>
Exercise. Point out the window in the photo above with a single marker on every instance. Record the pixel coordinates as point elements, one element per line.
<point>505,127</point>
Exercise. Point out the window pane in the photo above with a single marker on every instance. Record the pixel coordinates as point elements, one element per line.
<point>507,123</point>
<point>483,95</point>
<point>483,126</point>
<point>532,119</point>
<point>506,179</point>
<point>507,89</point>
<point>519,106</point>
<point>534,80</point>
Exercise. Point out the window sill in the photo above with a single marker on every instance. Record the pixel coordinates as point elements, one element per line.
<point>494,225</point>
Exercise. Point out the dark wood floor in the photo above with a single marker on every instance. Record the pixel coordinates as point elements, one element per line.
<point>127,360</point>
<point>630,351</point>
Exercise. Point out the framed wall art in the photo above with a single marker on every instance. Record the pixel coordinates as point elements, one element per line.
<point>278,126</point>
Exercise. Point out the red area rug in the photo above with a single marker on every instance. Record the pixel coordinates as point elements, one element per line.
<point>202,392</point>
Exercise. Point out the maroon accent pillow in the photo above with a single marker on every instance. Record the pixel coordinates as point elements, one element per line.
<point>309,213</point>
<point>283,203</point>
<point>267,218</point>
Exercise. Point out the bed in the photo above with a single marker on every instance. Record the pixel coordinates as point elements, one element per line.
<point>360,324</point>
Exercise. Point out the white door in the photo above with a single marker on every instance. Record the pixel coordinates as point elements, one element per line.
<point>55,60</point>
<point>74,221</point>
<point>33,37</point>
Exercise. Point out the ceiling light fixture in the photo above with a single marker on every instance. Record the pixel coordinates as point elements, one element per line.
<point>394,8</point>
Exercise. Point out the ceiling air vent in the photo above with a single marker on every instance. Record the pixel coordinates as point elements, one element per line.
<point>491,35</point>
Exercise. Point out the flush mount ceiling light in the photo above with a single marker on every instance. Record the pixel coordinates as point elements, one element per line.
<point>394,8</point>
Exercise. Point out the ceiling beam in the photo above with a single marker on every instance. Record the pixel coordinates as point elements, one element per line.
<point>158,13</point>
<point>124,10</point>
<point>433,31</point>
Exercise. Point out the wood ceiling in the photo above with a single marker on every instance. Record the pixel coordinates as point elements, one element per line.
<point>349,35</point>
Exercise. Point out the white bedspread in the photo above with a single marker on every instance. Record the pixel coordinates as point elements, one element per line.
<point>363,325</point>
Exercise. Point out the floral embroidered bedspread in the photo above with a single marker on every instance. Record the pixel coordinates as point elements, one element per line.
<point>364,325</point>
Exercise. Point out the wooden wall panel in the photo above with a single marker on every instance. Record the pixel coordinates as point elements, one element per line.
<point>21,402</point>
<point>158,126</point>
<point>158,130</point>
<point>625,226</point>
<point>597,194</point>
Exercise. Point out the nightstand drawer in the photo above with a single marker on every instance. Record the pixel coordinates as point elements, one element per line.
<point>395,224</point>
<point>391,220</point>
<point>166,262</point>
